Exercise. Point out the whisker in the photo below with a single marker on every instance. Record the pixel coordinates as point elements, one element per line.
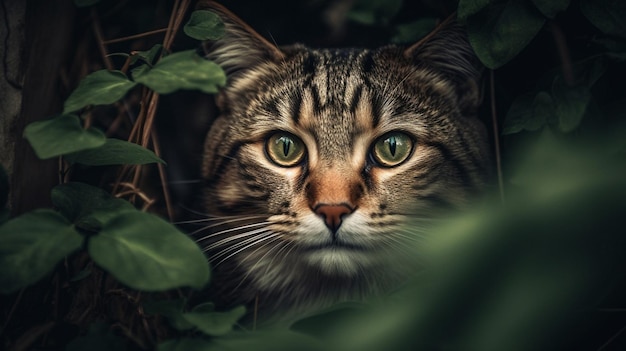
<point>234,238</point>
<point>246,247</point>
<point>226,219</point>
<point>230,230</point>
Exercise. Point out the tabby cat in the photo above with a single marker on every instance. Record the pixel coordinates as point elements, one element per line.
<point>319,158</point>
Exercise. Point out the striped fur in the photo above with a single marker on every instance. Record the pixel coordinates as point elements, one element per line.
<point>263,236</point>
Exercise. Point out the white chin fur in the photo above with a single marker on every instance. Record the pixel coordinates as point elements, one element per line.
<point>337,261</point>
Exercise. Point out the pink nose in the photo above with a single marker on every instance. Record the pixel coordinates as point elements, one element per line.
<point>333,214</point>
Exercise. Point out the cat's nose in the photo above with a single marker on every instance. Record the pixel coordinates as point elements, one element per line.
<point>333,214</point>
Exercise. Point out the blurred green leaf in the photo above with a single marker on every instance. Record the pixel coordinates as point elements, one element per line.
<point>570,104</point>
<point>87,206</point>
<point>98,338</point>
<point>31,245</point>
<point>183,70</point>
<point>114,152</point>
<point>410,32</point>
<point>606,15</point>
<point>204,25</point>
<point>551,8</point>
<point>170,309</point>
<point>61,135</point>
<point>469,8</point>
<point>149,56</point>
<point>215,323</point>
<point>502,30</point>
<point>530,112</point>
<point>370,12</point>
<point>147,253</point>
<point>186,344</point>
<point>99,88</point>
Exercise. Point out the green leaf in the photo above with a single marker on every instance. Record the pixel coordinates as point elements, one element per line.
<point>607,15</point>
<point>98,338</point>
<point>61,135</point>
<point>85,3</point>
<point>149,56</point>
<point>4,187</point>
<point>503,30</point>
<point>551,8</point>
<point>115,152</point>
<point>371,12</point>
<point>204,25</point>
<point>469,8</point>
<point>186,344</point>
<point>571,104</point>
<point>147,253</point>
<point>31,245</point>
<point>139,71</point>
<point>529,112</point>
<point>99,88</point>
<point>410,32</point>
<point>4,215</point>
<point>215,323</point>
<point>87,206</point>
<point>170,309</point>
<point>183,70</point>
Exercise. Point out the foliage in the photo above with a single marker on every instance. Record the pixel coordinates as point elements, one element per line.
<point>518,276</point>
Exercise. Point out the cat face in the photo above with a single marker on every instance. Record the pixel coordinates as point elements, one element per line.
<point>320,157</point>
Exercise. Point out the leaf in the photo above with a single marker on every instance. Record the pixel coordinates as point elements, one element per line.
<point>85,3</point>
<point>99,88</point>
<point>410,32</point>
<point>503,30</point>
<point>606,15</point>
<point>149,56</point>
<point>469,8</point>
<point>550,8</point>
<point>571,104</point>
<point>186,344</point>
<point>98,338</point>
<point>170,309</point>
<point>183,70</point>
<point>61,135</point>
<point>529,112</point>
<point>215,323</point>
<point>87,206</point>
<point>204,25</point>
<point>139,71</point>
<point>31,245</point>
<point>147,253</point>
<point>115,152</point>
<point>371,12</point>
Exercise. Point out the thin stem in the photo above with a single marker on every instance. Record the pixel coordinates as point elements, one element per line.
<point>163,176</point>
<point>496,133</point>
<point>97,29</point>
<point>135,36</point>
<point>564,55</point>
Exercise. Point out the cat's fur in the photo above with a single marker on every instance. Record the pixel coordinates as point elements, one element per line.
<point>266,242</point>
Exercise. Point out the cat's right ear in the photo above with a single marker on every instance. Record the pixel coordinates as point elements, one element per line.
<point>241,47</point>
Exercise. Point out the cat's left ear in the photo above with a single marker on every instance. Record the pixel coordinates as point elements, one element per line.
<point>448,52</point>
<point>241,48</point>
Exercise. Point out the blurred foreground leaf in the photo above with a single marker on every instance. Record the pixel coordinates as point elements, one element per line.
<point>99,88</point>
<point>204,25</point>
<point>31,245</point>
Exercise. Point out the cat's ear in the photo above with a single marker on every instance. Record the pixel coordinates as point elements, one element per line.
<point>447,51</point>
<point>241,47</point>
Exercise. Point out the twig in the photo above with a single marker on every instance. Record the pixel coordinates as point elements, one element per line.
<point>135,36</point>
<point>97,29</point>
<point>496,133</point>
<point>18,299</point>
<point>564,56</point>
<point>612,339</point>
<point>163,176</point>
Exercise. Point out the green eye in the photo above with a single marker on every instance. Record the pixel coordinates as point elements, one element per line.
<point>285,149</point>
<point>392,149</point>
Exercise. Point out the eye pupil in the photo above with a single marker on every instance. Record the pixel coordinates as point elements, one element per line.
<point>392,145</point>
<point>286,145</point>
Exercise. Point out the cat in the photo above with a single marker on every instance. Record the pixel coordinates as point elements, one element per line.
<point>320,157</point>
